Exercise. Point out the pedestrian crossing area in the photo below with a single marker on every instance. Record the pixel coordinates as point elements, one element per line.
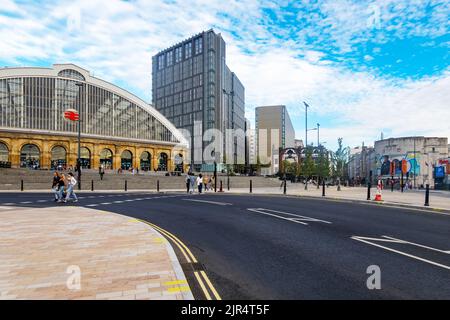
<point>92,200</point>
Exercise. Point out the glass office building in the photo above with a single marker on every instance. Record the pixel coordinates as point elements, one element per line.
<point>33,102</point>
<point>193,84</point>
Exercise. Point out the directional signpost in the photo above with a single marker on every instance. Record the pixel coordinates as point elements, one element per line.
<point>74,115</point>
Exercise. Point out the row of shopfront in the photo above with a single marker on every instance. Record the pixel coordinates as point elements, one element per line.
<point>62,154</point>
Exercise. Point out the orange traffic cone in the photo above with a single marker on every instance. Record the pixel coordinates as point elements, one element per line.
<point>378,195</point>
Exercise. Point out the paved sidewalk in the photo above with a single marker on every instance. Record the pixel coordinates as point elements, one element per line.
<point>118,257</point>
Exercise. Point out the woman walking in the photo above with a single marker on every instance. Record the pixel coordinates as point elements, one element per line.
<point>71,182</point>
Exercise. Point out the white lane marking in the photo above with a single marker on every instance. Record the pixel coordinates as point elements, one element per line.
<point>8,204</point>
<point>101,196</point>
<point>138,199</point>
<point>129,200</point>
<point>210,202</point>
<point>91,205</point>
<point>118,202</point>
<point>393,240</point>
<point>26,202</point>
<point>416,244</point>
<point>298,218</point>
<point>42,201</point>
<point>106,203</point>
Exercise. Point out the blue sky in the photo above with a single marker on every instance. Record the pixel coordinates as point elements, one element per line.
<point>364,67</point>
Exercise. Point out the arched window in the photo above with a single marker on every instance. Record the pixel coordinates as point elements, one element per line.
<point>162,163</point>
<point>146,161</point>
<point>73,74</point>
<point>106,158</point>
<point>58,158</point>
<point>30,156</point>
<point>4,152</point>
<point>85,158</point>
<point>126,160</point>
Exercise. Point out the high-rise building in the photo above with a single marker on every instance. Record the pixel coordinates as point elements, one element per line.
<point>274,130</point>
<point>194,88</point>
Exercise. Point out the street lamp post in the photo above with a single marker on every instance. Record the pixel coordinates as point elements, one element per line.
<point>231,93</point>
<point>306,123</point>
<point>318,135</point>
<point>79,85</point>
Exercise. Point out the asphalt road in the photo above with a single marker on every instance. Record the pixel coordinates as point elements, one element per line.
<point>292,248</point>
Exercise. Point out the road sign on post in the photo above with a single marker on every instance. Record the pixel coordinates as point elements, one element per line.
<point>74,115</point>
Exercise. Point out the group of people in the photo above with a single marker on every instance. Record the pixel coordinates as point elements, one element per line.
<point>201,182</point>
<point>63,187</point>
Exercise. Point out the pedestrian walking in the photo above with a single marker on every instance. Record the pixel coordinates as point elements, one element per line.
<point>71,183</point>
<point>188,182</point>
<point>199,183</point>
<point>55,185</point>
<point>205,183</point>
<point>193,181</point>
<point>101,171</point>
<point>61,187</point>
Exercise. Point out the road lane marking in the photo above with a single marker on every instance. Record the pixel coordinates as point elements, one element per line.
<point>190,258</point>
<point>175,282</point>
<point>210,202</point>
<point>179,289</point>
<point>26,202</point>
<point>417,245</point>
<point>394,240</point>
<point>211,287</point>
<point>202,285</point>
<point>8,204</point>
<point>298,218</point>
<point>91,205</point>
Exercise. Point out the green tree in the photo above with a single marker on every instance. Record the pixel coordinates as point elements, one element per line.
<point>340,160</point>
<point>323,165</point>
<point>308,167</point>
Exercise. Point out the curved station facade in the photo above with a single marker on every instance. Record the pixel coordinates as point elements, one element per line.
<point>118,130</point>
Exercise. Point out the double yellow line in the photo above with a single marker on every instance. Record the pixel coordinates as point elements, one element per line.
<point>201,276</point>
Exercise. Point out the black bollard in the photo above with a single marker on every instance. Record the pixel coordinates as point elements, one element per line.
<point>157,186</point>
<point>251,187</point>
<point>369,185</point>
<point>284,186</point>
<point>221,186</point>
<point>228,183</point>
<point>92,185</point>
<point>126,185</point>
<point>427,196</point>
<point>323,188</point>
<point>401,182</point>
<point>21,185</point>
